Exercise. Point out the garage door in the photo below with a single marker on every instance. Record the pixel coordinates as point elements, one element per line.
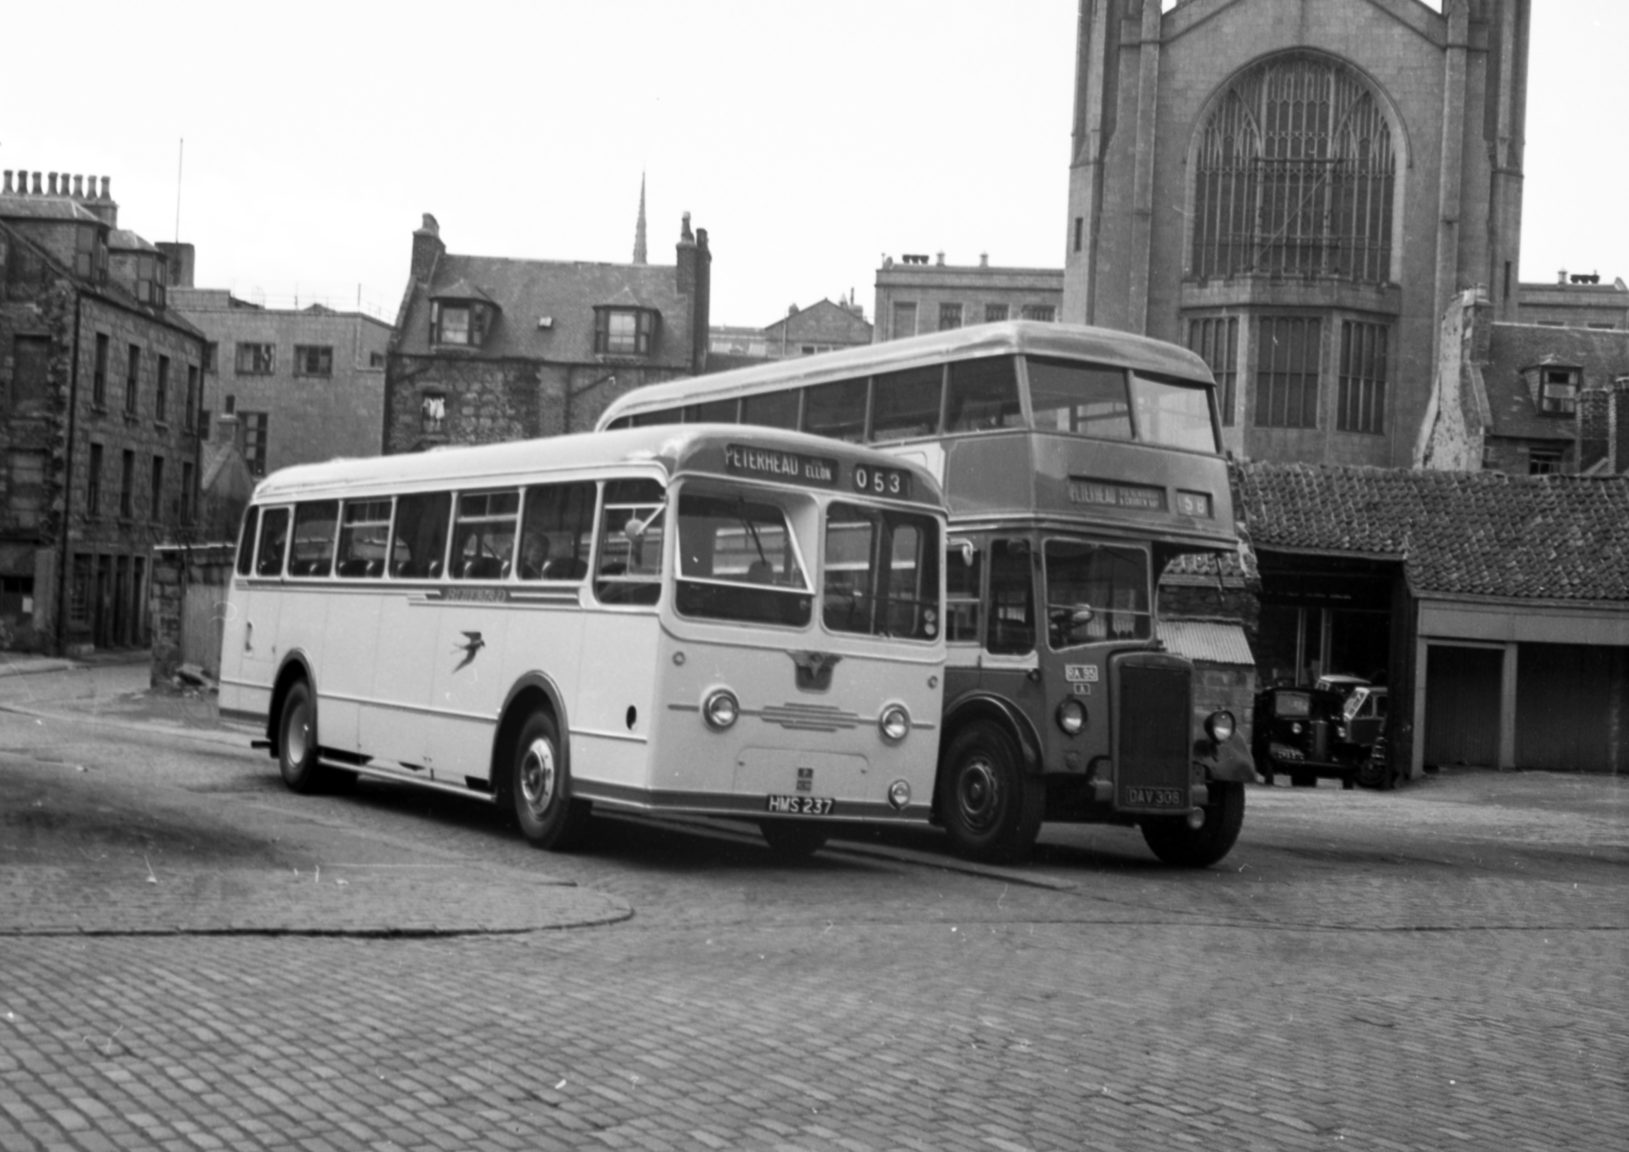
<point>1462,705</point>
<point>1570,709</point>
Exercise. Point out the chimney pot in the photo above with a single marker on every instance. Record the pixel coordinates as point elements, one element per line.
<point>939,259</point>
<point>79,187</point>
<point>1561,276</point>
<point>105,181</point>
<point>37,191</point>
<point>51,183</point>
<point>7,191</point>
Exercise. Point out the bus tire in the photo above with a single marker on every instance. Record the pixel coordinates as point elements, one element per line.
<point>540,788</point>
<point>990,809</point>
<point>1177,844</point>
<point>791,840</point>
<point>297,740</point>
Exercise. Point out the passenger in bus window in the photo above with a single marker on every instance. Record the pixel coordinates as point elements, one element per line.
<point>534,554</point>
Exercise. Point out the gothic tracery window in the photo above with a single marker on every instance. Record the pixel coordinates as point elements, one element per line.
<point>1294,176</point>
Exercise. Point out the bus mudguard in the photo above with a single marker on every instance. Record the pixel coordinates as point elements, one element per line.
<point>1229,760</point>
<point>533,681</point>
<point>295,666</point>
<point>998,708</point>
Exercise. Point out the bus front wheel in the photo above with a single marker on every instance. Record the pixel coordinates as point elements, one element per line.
<point>1174,842</point>
<point>991,811</point>
<point>540,789</point>
<point>297,740</point>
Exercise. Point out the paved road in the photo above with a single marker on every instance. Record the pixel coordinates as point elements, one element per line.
<point>192,958</point>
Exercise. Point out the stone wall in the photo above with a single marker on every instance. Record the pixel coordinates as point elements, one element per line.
<point>189,588</point>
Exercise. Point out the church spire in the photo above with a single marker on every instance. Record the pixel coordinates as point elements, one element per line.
<point>639,228</point>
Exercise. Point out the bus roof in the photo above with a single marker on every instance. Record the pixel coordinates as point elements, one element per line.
<point>1033,337</point>
<point>671,448</point>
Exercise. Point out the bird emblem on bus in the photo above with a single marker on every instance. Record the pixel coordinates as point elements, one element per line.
<point>814,669</point>
<point>471,645</point>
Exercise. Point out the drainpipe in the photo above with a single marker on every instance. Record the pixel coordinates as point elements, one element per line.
<point>68,485</point>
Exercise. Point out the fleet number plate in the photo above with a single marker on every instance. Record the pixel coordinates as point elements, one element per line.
<point>1154,797</point>
<point>800,805</point>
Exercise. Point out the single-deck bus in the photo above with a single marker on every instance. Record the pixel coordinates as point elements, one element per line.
<point>723,620</point>
<point>1077,463</point>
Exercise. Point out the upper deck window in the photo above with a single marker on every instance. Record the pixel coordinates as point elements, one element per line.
<point>836,410</point>
<point>1172,413</point>
<point>906,404</point>
<point>771,409</point>
<point>1084,398</point>
<point>983,394</point>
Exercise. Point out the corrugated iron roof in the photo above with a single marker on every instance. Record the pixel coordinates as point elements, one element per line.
<point>1210,641</point>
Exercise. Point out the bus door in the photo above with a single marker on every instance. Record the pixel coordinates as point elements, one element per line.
<point>252,633</point>
<point>1010,664</point>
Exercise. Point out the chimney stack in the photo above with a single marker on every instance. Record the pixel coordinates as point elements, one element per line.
<point>427,249</point>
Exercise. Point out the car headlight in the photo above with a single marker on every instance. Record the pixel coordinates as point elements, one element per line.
<point>720,709</point>
<point>1071,716</point>
<point>894,723</point>
<point>1220,726</point>
<point>899,795</point>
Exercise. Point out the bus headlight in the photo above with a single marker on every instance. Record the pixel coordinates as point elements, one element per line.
<point>720,709</point>
<point>899,795</point>
<point>1219,725</point>
<point>894,723</point>
<point>1071,716</point>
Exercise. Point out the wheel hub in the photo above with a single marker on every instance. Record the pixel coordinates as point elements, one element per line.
<point>538,777</point>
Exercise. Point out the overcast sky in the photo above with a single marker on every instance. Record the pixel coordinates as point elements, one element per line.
<point>808,139</point>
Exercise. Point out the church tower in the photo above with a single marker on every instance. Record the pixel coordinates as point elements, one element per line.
<point>1296,189</point>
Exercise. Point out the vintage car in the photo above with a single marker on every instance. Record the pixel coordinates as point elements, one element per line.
<point>1333,730</point>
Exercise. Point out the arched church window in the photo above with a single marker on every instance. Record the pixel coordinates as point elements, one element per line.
<point>1294,176</point>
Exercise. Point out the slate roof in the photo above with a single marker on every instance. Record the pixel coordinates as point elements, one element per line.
<point>565,291</point>
<point>1602,354</point>
<point>44,208</point>
<point>1489,534</point>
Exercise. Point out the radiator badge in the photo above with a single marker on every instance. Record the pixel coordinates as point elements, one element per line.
<point>814,669</point>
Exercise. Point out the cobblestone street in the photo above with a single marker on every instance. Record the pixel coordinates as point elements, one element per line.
<point>196,959</point>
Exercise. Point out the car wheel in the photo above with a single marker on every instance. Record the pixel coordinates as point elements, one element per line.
<point>540,788</point>
<point>297,740</point>
<point>990,809</point>
<point>1175,843</point>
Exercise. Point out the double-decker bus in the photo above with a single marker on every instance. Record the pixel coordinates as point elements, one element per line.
<point>1076,463</point>
<point>719,620</point>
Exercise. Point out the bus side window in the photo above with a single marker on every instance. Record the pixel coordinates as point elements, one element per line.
<point>246,540</point>
<point>630,545</point>
<point>712,412</point>
<point>983,394</point>
<point>313,551</point>
<point>557,530</point>
<point>906,403</point>
<point>836,410</point>
<point>363,534</point>
<point>772,409</point>
<point>484,535</point>
<point>419,540</point>
<point>273,540</point>
<point>964,566</point>
<point>1012,598</point>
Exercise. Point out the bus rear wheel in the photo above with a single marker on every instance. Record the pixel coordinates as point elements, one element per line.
<point>1175,843</point>
<point>791,840</point>
<point>540,788</point>
<point>297,741</point>
<point>989,808</point>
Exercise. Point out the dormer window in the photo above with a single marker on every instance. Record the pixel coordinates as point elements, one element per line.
<point>624,331</point>
<point>150,279</point>
<point>460,318</point>
<point>1558,391</point>
<point>90,253</point>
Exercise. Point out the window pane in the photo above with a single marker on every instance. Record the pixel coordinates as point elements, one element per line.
<point>712,412</point>
<point>1095,592</point>
<point>419,540</point>
<point>739,560</point>
<point>484,534</point>
<point>454,325</point>
<point>771,409</point>
<point>963,572</point>
<point>1012,598</point>
<point>983,394</point>
<point>273,539</point>
<point>313,551</point>
<point>882,573</point>
<point>364,538</point>
<point>246,541</point>
<point>1082,398</point>
<point>557,532</point>
<point>1287,372</point>
<point>836,410</point>
<point>906,404</point>
<point>1172,413</point>
<point>630,546</point>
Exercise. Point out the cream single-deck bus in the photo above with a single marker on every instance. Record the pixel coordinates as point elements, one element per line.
<point>725,620</point>
<point>1076,463</point>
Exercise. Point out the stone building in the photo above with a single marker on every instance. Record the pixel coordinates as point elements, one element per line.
<point>1576,300</point>
<point>1296,189</point>
<point>302,385</point>
<point>98,446</point>
<point>821,327</point>
<point>490,348</point>
<point>914,295</point>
